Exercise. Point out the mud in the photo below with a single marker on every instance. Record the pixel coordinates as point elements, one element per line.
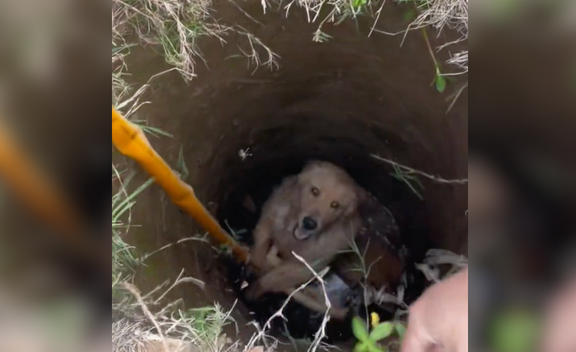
<point>341,101</point>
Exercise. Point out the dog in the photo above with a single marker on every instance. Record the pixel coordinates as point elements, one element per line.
<point>314,215</point>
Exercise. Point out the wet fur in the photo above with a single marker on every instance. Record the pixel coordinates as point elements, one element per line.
<point>284,210</point>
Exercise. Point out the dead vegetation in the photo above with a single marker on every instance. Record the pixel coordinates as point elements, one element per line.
<point>175,27</point>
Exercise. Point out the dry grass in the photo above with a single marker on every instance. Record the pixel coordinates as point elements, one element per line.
<point>175,28</point>
<point>174,25</point>
<point>140,324</point>
<point>438,14</point>
<point>446,14</point>
<point>140,321</point>
<point>409,176</point>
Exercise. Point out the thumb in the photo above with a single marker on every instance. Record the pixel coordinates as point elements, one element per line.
<point>416,339</point>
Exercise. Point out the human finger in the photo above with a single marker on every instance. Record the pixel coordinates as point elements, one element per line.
<point>416,338</point>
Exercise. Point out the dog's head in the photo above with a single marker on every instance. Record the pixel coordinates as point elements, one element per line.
<point>327,195</point>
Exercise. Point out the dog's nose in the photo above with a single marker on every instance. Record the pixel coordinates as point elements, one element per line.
<point>309,224</point>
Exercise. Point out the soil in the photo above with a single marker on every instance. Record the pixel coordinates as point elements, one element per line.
<point>341,101</point>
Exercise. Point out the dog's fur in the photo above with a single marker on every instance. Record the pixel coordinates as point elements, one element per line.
<point>327,194</point>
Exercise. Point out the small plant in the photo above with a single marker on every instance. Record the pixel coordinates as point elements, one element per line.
<point>369,341</point>
<point>409,178</point>
<point>153,131</point>
<point>358,4</point>
<point>182,168</point>
<point>439,79</point>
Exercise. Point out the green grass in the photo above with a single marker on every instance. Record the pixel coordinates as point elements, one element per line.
<point>174,29</point>
<point>124,257</point>
<point>200,326</point>
<point>151,130</point>
<point>203,326</point>
<point>120,88</point>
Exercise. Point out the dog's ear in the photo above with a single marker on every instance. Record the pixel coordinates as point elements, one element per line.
<point>364,201</point>
<point>309,168</point>
<point>312,164</point>
<point>363,197</point>
<point>290,182</point>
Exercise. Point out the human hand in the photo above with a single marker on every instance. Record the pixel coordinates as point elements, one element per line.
<point>559,329</point>
<point>438,320</point>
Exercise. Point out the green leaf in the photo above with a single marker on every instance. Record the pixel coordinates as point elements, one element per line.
<point>400,330</point>
<point>362,347</point>
<point>440,83</point>
<point>118,49</point>
<point>382,331</point>
<point>359,329</point>
<point>409,15</point>
<point>356,4</point>
<point>374,348</point>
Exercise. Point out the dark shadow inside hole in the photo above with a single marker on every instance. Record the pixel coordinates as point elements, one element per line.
<point>258,175</point>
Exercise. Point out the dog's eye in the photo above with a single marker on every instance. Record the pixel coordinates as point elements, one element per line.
<point>315,191</point>
<point>334,205</point>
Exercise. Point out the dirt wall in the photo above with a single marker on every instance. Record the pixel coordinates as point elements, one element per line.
<point>342,101</point>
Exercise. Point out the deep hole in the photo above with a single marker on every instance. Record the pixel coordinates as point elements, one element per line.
<point>340,101</point>
<point>283,151</point>
<point>256,177</point>
<point>281,148</point>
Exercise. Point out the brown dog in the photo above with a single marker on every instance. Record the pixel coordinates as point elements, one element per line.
<point>313,214</point>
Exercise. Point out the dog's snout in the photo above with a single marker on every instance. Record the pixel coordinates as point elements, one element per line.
<point>309,224</point>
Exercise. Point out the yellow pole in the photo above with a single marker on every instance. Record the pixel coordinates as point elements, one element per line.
<point>131,141</point>
<point>32,186</point>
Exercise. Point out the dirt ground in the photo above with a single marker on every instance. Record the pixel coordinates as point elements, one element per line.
<point>342,100</point>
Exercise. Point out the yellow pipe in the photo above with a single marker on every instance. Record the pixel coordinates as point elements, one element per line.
<point>131,141</point>
<point>32,186</point>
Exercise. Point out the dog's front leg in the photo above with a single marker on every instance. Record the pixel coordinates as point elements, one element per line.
<point>283,278</point>
<point>261,247</point>
<point>287,276</point>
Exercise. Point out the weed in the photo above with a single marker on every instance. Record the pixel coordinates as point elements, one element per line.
<point>181,165</point>
<point>409,179</point>
<point>409,176</point>
<point>176,27</point>
<point>439,79</point>
<point>153,131</point>
<point>358,4</point>
<point>438,14</point>
<point>120,88</point>
<point>124,260</point>
<point>140,323</point>
<point>371,340</point>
